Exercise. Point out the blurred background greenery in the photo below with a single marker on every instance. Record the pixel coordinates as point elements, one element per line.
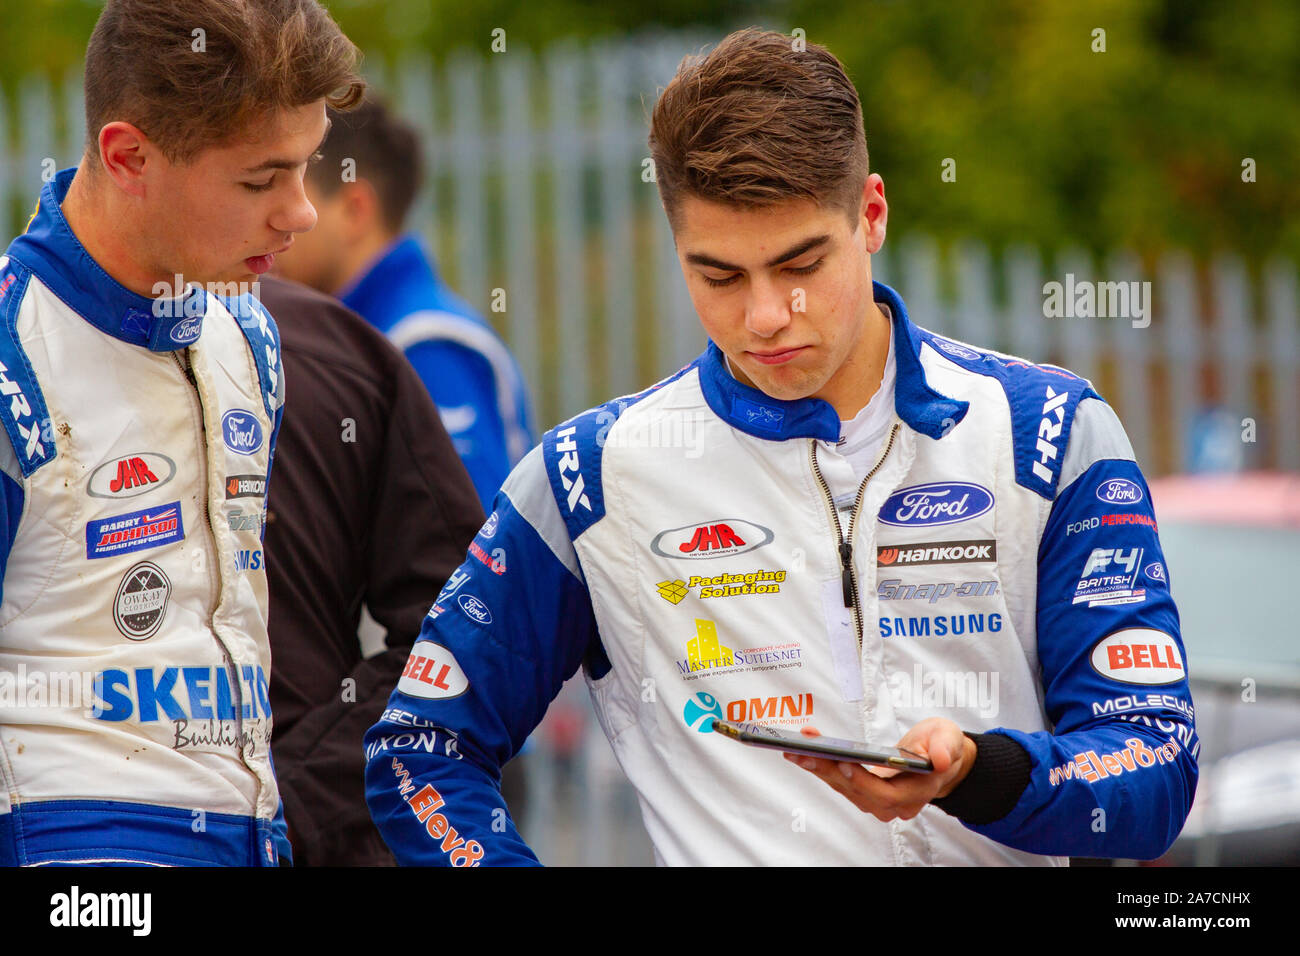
<point>1141,146</point>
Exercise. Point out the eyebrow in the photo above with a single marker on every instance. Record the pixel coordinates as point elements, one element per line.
<point>794,252</point>
<point>290,163</point>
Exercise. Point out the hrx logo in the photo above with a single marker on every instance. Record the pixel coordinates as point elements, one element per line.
<point>1048,432</point>
<point>19,409</point>
<point>569,462</point>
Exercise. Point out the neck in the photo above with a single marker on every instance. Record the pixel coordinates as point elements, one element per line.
<point>362,257</point>
<point>103,226</point>
<point>858,380</point>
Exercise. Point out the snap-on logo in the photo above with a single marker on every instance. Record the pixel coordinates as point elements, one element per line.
<point>1119,491</point>
<point>241,431</point>
<point>937,503</point>
<point>1139,655</point>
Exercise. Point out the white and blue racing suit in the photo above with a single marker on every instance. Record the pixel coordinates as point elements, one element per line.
<point>1001,568</point>
<point>137,442</point>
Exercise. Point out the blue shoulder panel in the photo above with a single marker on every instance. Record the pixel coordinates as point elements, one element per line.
<point>573,453</point>
<point>264,341</point>
<point>1043,399</point>
<point>24,412</point>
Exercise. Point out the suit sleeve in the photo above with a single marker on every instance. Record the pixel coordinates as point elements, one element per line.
<point>510,626</point>
<point>1116,776</point>
<point>424,513</point>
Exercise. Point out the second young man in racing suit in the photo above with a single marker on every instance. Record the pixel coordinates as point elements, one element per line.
<point>834,518</point>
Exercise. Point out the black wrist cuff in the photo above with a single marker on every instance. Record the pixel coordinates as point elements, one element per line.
<point>994,785</point>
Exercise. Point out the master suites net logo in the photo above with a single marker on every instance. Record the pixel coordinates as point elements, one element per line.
<point>707,654</point>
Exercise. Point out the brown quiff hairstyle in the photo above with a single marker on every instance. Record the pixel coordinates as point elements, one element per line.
<point>756,122</point>
<point>191,74</point>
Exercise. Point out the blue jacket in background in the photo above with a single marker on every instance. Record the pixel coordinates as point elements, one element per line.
<point>467,369</point>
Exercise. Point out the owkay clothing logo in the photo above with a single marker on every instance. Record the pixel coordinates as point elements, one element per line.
<point>141,601</point>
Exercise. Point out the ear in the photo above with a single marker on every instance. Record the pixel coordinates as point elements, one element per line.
<point>127,156</point>
<point>874,213</point>
<point>362,210</point>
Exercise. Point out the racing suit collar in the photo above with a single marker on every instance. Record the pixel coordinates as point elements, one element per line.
<point>51,250</point>
<point>400,263</point>
<point>758,414</point>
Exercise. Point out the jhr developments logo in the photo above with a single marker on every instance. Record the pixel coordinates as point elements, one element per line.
<point>719,538</point>
<point>726,584</point>
<point>706,654</point>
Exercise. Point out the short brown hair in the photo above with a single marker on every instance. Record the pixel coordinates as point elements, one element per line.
<point>148,63</point>
<point>386,150</point>
<point>756,122</point>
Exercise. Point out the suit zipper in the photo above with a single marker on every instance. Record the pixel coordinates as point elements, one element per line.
<point>236,685</point>
<point>848,577</point>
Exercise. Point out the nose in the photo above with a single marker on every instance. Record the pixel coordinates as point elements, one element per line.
<point>767,312</point>
<point>297,215</point>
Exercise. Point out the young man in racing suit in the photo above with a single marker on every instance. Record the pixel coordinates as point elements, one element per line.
<point>139,429</point>
<point>834,518</point>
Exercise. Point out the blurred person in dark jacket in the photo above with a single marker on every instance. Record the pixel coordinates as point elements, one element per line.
<point>370,506</point>
<point>362,189</point>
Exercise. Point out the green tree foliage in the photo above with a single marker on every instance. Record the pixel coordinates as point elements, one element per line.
<point>1140,146</point>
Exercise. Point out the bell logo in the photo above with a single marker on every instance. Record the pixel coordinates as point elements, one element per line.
<point>1139,655</point>
<point>432,672</point>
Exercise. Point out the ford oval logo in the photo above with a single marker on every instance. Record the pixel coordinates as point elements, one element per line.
<point>474,608</point>
<point>187,330</point>
<point>242,431</point>
<point>939,502</point>
<point>1119,491</point>
<point>952,348</point>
